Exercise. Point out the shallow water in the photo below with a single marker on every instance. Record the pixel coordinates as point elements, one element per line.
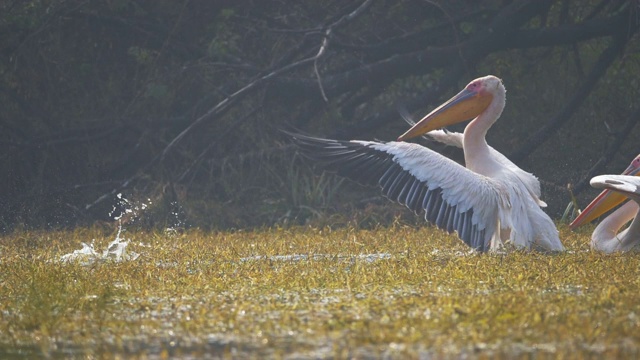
<point>318,257</point>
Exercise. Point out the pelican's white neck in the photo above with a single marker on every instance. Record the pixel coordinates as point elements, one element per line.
<point>476,149</point>
<point>606,237</point>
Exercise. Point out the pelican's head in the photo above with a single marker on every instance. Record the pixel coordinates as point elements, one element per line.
<point>472,101</point>
<point>613,195</point>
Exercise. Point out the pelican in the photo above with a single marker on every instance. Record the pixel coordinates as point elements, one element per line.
<point>607,236</point>
<point>488,203</point>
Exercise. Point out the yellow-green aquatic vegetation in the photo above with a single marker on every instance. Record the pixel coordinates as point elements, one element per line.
<point>397,292</point>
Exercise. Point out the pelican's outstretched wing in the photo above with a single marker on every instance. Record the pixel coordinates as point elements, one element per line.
<point>451,196</point>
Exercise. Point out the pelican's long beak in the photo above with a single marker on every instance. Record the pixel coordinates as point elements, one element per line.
<point>466,105</point>
<point>605,201</point>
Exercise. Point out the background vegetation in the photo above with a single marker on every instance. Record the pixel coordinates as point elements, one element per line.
<point>178,105</point>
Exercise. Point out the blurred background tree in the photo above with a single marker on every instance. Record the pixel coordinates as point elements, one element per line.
<point>178,105</point>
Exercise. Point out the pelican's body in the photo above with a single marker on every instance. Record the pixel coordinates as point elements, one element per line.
<point>607,236</point>
<point>529,180</point>
<point>489,202</point>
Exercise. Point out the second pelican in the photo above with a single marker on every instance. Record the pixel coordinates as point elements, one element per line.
<point>617,189</point>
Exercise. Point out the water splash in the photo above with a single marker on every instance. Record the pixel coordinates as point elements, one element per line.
<point>127,209</point>
<point>125,212</point>
<point>116,251</point>
<point>178,223</point>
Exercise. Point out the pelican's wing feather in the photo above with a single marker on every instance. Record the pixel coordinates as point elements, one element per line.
<point>446,137</point>
<point>452,197</point>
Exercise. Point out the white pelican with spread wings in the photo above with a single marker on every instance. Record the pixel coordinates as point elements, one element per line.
<point>487,203</point>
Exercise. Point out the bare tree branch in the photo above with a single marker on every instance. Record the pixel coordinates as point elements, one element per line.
<point>502,34</point>
<point>224,104</point>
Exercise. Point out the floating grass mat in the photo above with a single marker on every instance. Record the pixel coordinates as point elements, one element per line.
<point>397,292</point>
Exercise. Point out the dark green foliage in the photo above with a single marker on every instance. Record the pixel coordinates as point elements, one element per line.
<point>95,95</point>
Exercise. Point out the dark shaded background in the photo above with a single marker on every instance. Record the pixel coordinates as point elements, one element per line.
<point>178,105</point>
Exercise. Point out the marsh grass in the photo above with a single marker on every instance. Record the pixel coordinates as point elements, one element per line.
<point>236,294</point>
